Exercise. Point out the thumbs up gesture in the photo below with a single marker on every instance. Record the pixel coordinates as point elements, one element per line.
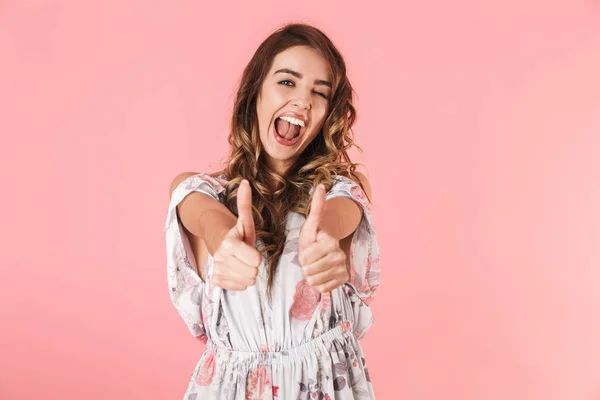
<point>236,258</point>
<point>323,261</point>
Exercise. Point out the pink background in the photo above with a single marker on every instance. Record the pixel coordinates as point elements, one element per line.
<point>480,123</point>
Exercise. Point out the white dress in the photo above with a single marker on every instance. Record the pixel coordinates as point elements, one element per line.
<point>302,345</point>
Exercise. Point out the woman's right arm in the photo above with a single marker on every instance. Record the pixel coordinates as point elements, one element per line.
<point>202,216</point>
<point>211,227</point>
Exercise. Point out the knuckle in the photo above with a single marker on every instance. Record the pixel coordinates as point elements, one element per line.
<point>257,257</point>
<point>227,244</point>
<point>224,243</point>
<point>306,271</point>
<point>331,240</point>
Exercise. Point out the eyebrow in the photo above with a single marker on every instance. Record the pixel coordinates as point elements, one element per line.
<point>299,76</point>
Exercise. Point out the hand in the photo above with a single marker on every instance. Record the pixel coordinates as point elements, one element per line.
<point>236,258</point>
<point>323,261</point>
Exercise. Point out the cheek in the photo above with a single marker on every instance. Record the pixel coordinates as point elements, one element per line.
<point>265,110</point>
<point>321,121</point>
<point>264,118</point>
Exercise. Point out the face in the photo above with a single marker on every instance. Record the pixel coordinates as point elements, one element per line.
<point>297,88</point>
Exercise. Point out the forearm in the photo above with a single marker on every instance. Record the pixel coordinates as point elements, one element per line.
<point>332,224</point>
<point>213,224</point>
<point>340,217</point>
<point>203,216</point>
<point>340,220</point>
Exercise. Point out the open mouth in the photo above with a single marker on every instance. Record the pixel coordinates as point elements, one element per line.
<point>288,129</point>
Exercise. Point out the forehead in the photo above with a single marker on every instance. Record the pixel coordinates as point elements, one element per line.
<point>303,59</point>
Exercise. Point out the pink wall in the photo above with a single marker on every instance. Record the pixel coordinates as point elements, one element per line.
<point>481,129</point>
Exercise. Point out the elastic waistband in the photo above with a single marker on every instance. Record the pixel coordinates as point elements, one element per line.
<point>319,344</point>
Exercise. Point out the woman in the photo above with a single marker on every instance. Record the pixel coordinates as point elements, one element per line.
<point>283,236</point>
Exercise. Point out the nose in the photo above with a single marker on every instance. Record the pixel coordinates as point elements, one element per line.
<point>302,102</point>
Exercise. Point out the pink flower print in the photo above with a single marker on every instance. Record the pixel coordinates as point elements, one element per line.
<point>216,183</point>
<point>209,286</point>
<point>306,299</point>
<point>368,299</point>
<point>203,338</point>
<point>267,348</point>
<point>190,279</point>
<point>352,270</point>
<point>207,370</point>
<point>371,263</point>
<point>205,311</point>
<point>325,301</point>
<point>345,326</point>
<point>374,264</point>
<point>258,381</point>
<point>357,192</point>
<point>275,389</point>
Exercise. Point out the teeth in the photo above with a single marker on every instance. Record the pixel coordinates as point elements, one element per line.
<point>293,120</point>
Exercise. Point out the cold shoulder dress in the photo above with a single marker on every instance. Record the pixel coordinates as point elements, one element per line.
<point>302,344</point>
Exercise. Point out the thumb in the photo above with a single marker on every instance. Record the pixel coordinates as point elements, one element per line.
<point>311,225</point>
<point>245,222</point>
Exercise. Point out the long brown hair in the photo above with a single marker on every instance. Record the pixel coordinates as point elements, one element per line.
<point>323,158</point>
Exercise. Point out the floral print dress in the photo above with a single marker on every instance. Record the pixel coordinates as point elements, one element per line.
<point>302,344</point>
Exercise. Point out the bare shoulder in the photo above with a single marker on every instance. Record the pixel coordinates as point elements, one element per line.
<point>180,178</point>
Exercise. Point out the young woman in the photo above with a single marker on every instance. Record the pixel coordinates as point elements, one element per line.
<point>273,262</point>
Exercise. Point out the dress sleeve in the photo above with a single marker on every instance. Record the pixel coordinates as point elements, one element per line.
<point>186,288</point>
<point>364,256</point>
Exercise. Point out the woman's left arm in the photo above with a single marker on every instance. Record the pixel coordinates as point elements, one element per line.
<point>336,243</point>
<point>342,216</point>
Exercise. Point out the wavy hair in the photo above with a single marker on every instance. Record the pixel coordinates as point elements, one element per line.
<point>323,158</point>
